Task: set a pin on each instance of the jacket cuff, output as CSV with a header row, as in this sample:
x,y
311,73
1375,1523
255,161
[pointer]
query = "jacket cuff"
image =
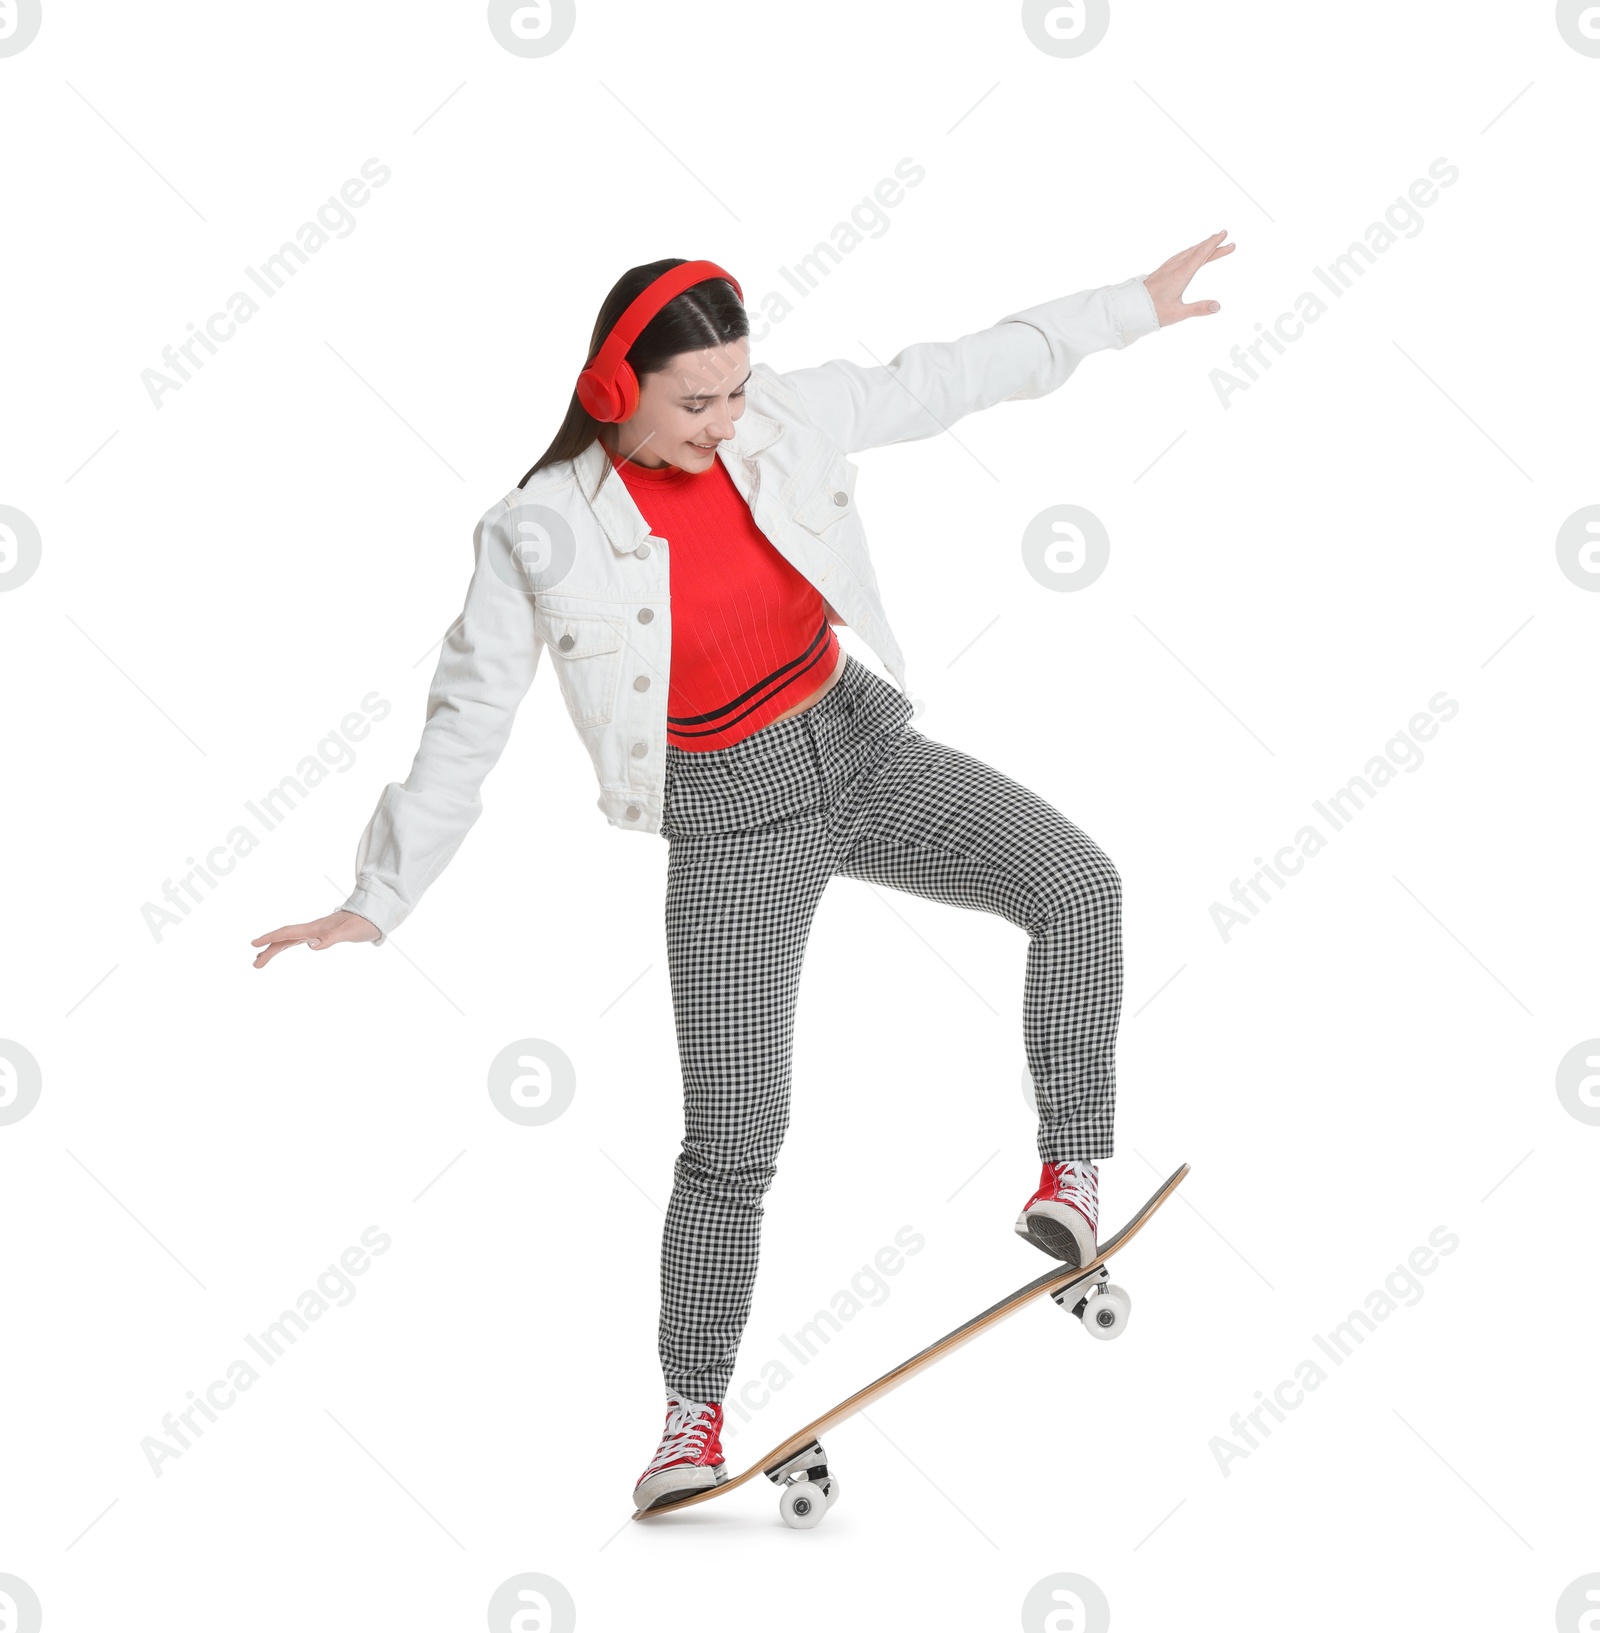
x,y
382,911
1133,309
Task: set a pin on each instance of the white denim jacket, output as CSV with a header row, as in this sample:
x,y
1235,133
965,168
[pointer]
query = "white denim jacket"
x,y
586,578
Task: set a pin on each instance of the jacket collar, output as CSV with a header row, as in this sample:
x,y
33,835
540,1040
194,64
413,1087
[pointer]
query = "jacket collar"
x,y
613,506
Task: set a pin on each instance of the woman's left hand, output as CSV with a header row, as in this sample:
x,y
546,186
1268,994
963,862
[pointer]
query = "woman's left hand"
x,y
1169,280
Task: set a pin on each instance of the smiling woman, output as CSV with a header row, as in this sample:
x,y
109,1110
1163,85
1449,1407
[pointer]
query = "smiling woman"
x,y
680,550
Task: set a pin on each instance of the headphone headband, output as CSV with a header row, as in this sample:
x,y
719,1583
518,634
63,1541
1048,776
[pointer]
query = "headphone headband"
x,y
608,387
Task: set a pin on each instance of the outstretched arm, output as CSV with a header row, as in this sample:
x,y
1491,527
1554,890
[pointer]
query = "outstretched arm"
x,y
485,667
927,387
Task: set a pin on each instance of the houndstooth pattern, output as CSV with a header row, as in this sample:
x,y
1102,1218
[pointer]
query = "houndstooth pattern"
x,y
756,830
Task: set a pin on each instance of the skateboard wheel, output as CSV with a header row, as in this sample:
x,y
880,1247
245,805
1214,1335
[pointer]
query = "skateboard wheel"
x,y
831,1487
802,1505
1106,1314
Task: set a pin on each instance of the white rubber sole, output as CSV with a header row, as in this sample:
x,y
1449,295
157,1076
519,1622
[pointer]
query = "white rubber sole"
x,y
669,1483
1058,1230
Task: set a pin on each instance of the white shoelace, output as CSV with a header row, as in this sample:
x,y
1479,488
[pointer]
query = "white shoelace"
x,y
688,1424
1077,1184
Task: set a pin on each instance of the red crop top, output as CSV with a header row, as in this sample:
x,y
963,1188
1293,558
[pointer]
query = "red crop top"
x,y
750,634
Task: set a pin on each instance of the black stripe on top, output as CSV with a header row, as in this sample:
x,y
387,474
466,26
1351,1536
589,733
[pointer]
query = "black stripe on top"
x,y
785,676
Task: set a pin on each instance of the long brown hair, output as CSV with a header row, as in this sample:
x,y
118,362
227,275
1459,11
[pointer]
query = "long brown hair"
x,y
705,314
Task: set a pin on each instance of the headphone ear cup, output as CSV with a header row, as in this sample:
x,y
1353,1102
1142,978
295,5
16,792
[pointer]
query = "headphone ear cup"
x,y
595,394
609,401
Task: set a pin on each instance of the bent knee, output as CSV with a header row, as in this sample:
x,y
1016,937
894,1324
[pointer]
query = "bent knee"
x,y
1082,885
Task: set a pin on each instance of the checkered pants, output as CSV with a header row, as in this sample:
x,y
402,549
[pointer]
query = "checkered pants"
x,y
756,830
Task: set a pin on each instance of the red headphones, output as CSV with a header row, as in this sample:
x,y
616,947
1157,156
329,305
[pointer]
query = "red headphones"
x,y
608,387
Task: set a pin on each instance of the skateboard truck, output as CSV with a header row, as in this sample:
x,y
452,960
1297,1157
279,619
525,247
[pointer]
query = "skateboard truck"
x,y
1099,1304
809,1491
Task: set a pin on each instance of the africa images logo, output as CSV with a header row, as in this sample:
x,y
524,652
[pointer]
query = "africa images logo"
x,y
19,23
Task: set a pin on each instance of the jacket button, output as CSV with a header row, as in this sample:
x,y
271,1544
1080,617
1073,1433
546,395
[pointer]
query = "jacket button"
x,y
642,551
645,615
641,683
632,813
566,643
841,498
639,750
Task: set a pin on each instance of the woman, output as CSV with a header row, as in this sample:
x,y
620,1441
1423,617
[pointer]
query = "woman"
x,y
684,549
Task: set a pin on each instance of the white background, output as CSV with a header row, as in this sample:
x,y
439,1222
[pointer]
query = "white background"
x,y
1292,577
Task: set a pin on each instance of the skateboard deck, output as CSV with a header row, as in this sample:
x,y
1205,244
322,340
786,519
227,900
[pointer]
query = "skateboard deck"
x,y
798,1462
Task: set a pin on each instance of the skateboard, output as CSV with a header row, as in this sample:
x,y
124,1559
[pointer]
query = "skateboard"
x,y
800,1466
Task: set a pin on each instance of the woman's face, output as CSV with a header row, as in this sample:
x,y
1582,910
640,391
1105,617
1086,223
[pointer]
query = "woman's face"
x,y
687,408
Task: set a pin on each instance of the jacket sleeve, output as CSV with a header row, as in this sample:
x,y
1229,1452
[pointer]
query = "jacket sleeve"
x,y
927,387
485,667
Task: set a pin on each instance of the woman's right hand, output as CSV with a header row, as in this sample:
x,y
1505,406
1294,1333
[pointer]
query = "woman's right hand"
x,y
317,935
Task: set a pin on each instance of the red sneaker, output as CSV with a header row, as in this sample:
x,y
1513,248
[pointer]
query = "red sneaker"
x,y
689,1457
1061,1217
